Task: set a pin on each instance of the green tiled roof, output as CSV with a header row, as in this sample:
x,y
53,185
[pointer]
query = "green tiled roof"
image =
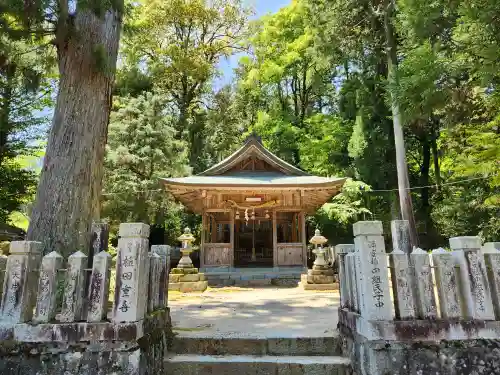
x,y
254,178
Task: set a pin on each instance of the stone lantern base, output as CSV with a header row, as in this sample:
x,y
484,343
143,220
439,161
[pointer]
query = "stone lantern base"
x,y
187,280
319,278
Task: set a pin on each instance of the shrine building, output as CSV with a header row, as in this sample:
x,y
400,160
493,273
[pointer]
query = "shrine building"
x,y
253,206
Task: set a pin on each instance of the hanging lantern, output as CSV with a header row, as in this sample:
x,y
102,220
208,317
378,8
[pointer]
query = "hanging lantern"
x,y
253,215
237,215
267,214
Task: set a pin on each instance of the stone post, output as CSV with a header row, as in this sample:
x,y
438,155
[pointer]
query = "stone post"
x,y
98,293
342,250
100,237
74,288
402,274
20,283
132,273
373,271
348,277
426,301
352,284
47,288
3,267
357,282
402,271
164,252
400,231
476,288
99,240
491,252
446,284
154,281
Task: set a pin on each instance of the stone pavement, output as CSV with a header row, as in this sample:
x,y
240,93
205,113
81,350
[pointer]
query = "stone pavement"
x,y
264,331
255,313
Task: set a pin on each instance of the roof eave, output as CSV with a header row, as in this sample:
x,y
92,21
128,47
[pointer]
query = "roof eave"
x,y
310,185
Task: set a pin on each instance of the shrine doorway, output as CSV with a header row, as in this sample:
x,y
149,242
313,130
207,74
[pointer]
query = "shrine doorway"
x,y
253,241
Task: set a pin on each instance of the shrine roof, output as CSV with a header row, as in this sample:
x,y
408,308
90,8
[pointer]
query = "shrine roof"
x,y
252,169
253,148
256,178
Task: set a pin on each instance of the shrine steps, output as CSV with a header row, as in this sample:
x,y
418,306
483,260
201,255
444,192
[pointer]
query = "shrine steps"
x,y
252,356
192,364
299,346
253,277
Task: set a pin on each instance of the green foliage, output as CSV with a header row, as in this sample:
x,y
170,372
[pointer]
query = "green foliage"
x,y
335,219
25,88
19,189
180,42
142,149
471,207
313,83
217,131
323,145
348,206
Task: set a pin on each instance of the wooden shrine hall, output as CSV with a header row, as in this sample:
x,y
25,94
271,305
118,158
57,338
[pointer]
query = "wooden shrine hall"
x,y
253,206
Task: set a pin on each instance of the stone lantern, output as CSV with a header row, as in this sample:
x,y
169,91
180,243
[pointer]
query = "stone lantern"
x,y
186,238
321,276
319,240
186,278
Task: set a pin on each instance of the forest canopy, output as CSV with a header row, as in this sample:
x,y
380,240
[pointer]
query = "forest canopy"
x,y
312,80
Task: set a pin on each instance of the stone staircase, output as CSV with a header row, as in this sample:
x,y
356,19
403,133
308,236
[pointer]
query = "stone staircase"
x,y
256,356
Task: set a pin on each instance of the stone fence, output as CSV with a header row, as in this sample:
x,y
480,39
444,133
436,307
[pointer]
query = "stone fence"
x,y
61,321
390,302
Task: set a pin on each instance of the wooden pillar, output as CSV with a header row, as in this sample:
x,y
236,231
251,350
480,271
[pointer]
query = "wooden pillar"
x,y
231,235
275,239
202,242
304,239
213,228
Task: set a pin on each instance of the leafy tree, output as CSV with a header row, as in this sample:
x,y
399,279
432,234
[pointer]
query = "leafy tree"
x,y
218,131
287,77
472,206
180,44
336,217
24,91
323,146
86,36
141,149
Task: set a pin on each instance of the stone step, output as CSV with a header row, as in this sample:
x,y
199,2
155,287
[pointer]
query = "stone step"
x,y
308,346
192,364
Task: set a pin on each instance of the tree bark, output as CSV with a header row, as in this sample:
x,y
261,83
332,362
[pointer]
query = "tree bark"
x,y
435,153
401,165
424,173
70,185
5,109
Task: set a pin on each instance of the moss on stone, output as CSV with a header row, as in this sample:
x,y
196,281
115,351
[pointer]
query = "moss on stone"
x,y
184,271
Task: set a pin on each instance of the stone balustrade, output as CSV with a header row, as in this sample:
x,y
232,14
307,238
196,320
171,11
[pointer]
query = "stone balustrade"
x,y
462,283
39,290
81,317
441,300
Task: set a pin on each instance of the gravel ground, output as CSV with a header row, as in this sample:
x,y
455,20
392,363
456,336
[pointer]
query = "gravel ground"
x,y
254,313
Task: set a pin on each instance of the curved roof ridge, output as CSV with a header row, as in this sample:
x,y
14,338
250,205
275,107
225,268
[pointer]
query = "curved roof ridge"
x,y
253,144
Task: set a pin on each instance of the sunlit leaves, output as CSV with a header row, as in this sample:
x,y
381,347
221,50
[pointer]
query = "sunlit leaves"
x,y
141,149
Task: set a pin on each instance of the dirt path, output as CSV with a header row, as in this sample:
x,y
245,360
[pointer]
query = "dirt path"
x,y
263,312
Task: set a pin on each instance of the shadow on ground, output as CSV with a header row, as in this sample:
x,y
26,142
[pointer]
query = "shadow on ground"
x,y
264,312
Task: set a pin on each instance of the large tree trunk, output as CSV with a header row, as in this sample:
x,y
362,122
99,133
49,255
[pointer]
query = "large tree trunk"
x,y
435,152
401,165
68,194
5,126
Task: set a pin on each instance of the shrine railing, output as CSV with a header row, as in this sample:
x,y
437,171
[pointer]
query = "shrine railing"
x,y
456,287
39,294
